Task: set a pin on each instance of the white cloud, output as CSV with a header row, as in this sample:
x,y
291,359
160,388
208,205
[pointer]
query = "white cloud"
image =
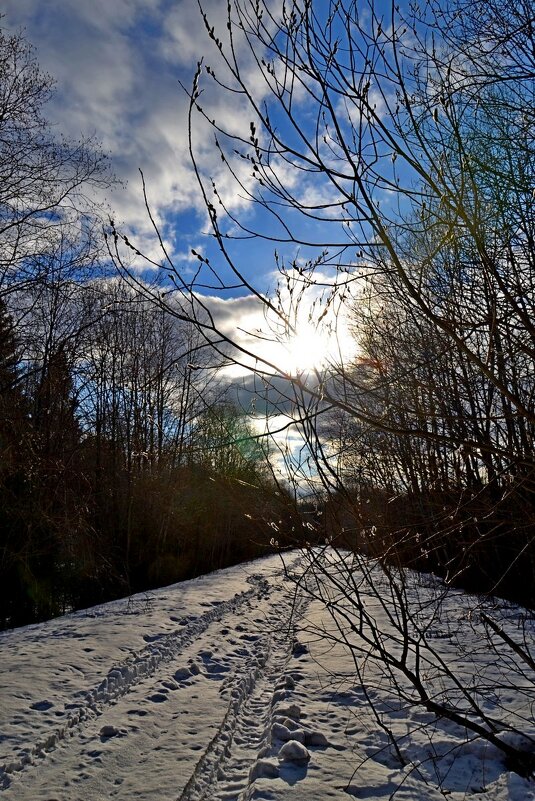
x,y
321,336
117,66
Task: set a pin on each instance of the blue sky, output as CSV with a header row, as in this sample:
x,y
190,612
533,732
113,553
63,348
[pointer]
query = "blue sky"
x,y
117,66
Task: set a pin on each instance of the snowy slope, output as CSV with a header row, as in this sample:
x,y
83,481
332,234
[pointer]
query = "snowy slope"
x,y
230,686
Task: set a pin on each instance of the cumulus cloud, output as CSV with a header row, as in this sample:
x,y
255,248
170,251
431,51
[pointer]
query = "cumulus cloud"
x,y
118,66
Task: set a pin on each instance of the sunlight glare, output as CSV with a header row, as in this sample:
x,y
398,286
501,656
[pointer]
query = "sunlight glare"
x,y
310,348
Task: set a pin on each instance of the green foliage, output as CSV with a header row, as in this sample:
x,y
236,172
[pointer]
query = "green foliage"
x,y
225,443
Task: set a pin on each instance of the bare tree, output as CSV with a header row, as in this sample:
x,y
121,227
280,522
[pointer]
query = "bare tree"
x,y
45,180
395,149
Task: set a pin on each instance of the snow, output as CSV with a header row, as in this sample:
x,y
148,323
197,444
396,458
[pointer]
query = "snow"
x,y
235,686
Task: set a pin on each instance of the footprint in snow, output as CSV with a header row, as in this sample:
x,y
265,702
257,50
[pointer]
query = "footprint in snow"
x,y
299,649
170,685
214,670
182,674
157,698
211,667
294,751
42,706
107,732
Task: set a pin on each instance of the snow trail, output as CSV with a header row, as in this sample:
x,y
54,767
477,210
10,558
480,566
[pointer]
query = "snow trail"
x,y
235,687
121,678
225,769
232,657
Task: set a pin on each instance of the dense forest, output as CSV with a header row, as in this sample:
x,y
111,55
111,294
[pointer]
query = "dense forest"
x,y
120,469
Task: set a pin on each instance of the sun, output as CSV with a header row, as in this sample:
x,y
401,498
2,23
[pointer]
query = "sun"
x,y
307,335
308,349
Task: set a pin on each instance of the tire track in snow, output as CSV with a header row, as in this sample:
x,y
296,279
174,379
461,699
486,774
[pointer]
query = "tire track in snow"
x,y
121,678
223,772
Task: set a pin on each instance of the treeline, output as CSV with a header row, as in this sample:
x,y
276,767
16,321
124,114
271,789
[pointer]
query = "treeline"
x,y
434,442
418,137
121,469
122,464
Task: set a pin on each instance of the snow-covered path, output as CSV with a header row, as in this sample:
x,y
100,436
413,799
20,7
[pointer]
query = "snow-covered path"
x,y
179,684
230,687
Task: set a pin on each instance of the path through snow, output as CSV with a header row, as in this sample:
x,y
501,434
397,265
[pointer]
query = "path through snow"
x,y
224,688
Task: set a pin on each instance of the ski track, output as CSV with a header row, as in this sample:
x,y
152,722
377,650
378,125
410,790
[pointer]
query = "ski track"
x,y
121,678
226,767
